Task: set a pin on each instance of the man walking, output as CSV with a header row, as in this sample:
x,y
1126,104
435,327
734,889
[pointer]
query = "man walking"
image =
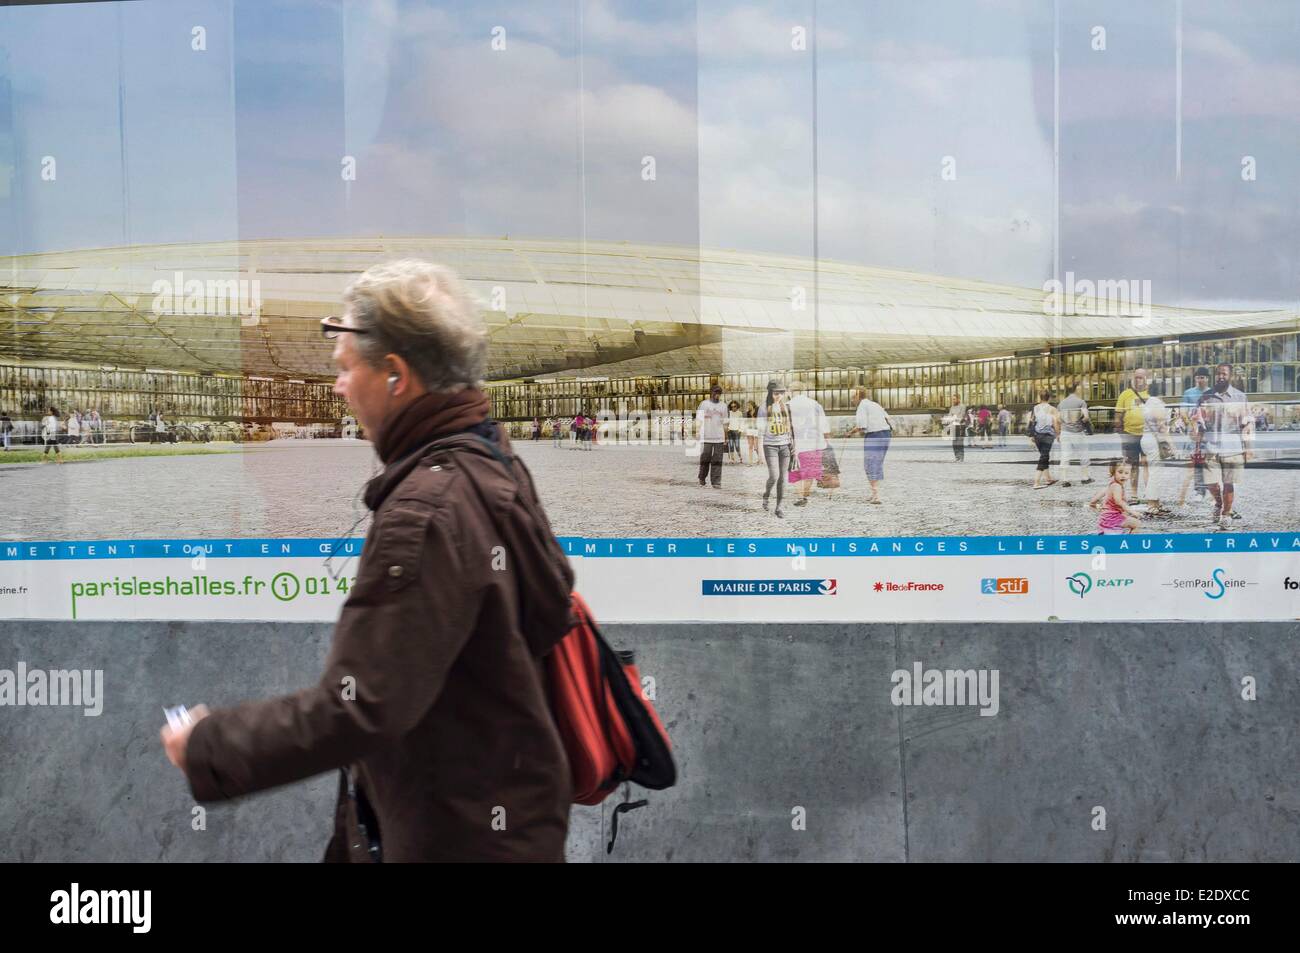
x,y
1004,424
6,428
1073,411
50,435
1191,402
1226,431
957,418
711,431
432,702
1131,424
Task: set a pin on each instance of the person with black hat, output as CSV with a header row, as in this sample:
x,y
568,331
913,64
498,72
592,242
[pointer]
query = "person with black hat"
x,y
711,430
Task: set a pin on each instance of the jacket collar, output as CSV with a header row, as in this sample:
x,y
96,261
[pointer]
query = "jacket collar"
x,y
380,486
428,417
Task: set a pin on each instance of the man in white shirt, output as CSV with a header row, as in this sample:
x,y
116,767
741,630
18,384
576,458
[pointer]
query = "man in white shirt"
x,y
50,435
711,429
1074,433
809,426
1225,432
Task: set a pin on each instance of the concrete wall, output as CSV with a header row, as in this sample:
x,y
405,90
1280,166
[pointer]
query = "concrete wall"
x,y
1146,721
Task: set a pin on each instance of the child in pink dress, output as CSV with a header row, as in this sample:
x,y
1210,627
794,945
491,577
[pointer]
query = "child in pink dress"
x,y
1116,515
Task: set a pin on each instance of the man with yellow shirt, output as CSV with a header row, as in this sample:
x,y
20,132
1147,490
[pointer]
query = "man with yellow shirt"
x,y
1130,424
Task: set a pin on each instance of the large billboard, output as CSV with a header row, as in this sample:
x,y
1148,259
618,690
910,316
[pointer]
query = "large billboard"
x,y
995,339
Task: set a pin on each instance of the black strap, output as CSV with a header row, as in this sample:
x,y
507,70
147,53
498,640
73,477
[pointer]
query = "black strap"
x,y
622,809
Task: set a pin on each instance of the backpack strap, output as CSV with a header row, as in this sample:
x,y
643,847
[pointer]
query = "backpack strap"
x,y
622,809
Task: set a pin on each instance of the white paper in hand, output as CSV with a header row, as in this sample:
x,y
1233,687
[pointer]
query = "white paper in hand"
x,y
178,717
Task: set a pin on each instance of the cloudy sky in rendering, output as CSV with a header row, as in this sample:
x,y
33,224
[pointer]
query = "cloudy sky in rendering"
x,y
923,133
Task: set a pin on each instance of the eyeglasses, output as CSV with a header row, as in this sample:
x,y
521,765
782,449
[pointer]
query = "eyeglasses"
x,y
333,326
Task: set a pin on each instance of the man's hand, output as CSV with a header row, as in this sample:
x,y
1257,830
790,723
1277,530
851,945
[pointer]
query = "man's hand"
x,y
175,740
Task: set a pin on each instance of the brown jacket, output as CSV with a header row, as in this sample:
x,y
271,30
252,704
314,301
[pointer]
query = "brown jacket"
x,y
447,735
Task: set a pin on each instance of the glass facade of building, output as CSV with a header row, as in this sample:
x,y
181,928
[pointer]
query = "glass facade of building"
x,y
1265,367
134,395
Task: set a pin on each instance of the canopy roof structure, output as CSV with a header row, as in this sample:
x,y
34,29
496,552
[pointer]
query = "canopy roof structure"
x,y
565,308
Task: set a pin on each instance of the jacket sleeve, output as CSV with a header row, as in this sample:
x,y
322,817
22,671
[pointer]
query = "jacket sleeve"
x,y
405,621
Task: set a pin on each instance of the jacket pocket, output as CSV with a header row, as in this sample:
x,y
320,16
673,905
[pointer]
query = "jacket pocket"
x,y
399,542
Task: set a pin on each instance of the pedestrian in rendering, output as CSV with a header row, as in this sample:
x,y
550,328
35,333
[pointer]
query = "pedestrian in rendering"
x,y
1046,424
1157,447
735,427
774,425
873,423
711,431
1227,434
1115,516
808,427
1075,428
752,434
956,418
50,435
1131,424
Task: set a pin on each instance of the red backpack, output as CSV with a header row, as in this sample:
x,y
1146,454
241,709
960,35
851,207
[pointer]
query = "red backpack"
x,y
610,731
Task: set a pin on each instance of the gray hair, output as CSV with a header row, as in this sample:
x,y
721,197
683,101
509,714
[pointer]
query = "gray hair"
x,y
423,313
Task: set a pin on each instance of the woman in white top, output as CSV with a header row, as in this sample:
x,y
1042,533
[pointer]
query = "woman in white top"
x,y
1047,427
1161,478
774,424
74,427
808,427
873,423
50,435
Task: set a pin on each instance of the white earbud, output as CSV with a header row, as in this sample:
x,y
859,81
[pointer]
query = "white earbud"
x,y
392,382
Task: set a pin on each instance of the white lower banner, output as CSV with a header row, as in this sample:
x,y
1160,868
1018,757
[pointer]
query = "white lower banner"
x,y
1176,577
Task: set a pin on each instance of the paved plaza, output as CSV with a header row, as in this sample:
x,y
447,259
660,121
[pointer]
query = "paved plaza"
x,y
312,488
637,491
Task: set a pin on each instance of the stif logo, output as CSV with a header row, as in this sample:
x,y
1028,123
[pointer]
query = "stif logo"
x,y
1004,587
827,587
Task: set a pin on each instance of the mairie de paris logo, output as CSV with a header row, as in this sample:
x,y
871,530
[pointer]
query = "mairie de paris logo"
x,y
770,587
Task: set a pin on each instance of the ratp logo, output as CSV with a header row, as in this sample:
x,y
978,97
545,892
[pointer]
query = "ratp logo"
x,y
1080,584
